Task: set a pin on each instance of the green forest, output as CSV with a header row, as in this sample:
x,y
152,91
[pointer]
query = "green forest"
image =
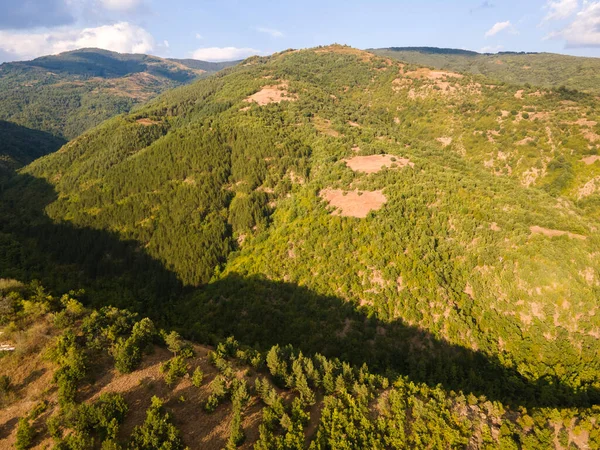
x,y
62,96
447,299
278,399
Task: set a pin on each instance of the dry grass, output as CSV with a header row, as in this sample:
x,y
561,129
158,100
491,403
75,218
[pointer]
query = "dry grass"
x,y
147,122
375,163
553,233
354,203
444,140
272,94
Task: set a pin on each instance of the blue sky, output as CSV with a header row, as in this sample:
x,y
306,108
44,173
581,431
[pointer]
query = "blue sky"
x,y
233,29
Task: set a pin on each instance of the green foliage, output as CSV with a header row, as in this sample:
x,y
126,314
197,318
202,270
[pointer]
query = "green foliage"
x,y
174,368
197,377
128,352
5,384
475,280
69,93
538,69
157,432
25,434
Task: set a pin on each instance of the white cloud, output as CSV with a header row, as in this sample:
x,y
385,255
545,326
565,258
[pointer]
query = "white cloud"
x,y
121,37
199,36
270,31
560,9
219,54
584,31
491,49
121,5
498,27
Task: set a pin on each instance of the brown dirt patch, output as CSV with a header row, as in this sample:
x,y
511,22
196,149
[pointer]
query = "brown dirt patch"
x,y
444,140
272,94
591,136
375,163
147,122
590,159
433,74
525,141
585,123
354,203
553,233
519,94
589,188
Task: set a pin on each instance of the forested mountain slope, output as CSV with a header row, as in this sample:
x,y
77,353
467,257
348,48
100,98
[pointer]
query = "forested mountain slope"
x,y
429,224
83,379
21,145
548,70
66,94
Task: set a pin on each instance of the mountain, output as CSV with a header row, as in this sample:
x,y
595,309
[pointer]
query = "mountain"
x,y
440,228
67,94
547,70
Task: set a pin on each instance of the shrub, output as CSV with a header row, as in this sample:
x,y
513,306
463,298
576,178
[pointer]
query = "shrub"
x,y
157,432
25,434
4,384
175,368
197,377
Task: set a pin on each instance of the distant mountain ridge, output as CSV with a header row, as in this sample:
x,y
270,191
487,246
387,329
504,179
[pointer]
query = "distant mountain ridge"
x,y
548,70
64,95
94,62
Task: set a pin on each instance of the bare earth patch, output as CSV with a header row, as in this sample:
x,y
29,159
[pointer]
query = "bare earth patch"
x,y
525,141
354,203
147,122
272,94
444,140
433,74
552,233
519,94
375,163
590,159
589,188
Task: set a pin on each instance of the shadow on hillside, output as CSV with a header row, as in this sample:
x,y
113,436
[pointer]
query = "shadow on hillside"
x,y
263,313
258,312
20,145
64,257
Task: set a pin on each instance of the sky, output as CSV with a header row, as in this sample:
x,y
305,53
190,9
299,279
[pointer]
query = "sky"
x,y
219,30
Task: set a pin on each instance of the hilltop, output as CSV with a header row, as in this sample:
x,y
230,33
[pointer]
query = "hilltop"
x,y
433,225
547,70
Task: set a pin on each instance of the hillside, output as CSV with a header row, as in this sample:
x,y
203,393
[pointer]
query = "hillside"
x,y
67,94
108,379
546,70
433,225
20,146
